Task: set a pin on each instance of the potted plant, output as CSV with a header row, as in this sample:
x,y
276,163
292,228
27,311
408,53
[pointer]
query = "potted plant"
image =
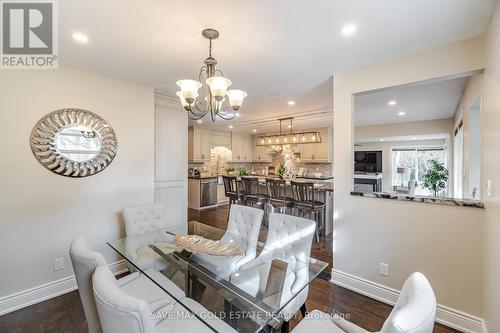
x,y
281,170
436,177
230,170
243,171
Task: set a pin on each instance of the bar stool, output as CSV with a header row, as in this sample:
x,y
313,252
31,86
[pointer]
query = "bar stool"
x,y
276,190
303,194
251,193
231,189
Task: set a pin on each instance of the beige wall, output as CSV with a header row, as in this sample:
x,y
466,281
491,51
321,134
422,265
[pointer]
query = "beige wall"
x,y
40,212
437,126
443,242
490,119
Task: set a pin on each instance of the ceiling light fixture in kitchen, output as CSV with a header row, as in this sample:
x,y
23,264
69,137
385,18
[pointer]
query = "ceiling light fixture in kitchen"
x,y
214,85
289,136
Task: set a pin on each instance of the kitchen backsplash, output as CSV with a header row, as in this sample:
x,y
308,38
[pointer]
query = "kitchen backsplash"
x,y
221,157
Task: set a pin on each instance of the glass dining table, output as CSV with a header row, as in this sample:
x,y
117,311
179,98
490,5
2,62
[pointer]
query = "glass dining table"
x,y
249,299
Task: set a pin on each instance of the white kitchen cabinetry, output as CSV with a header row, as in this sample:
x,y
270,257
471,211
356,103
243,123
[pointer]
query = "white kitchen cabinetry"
x,y
318,152
241,147
199,145
220,139
171,159
261,153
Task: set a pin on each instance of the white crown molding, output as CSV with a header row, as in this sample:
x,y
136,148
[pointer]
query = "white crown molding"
x,y
48,290
167,101
444,315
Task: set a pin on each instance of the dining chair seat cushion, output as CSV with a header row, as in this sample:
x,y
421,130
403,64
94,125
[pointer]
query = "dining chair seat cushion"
x,y
242,230
181,320
146,258
140,285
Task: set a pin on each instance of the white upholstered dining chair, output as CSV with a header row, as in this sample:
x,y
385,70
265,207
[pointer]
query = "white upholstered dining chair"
x,y
85,261
414,312
142,220
242,230
122,313
289,239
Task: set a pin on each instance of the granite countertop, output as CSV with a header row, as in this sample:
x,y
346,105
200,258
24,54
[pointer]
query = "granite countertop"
x,y
202,177
315,178
422,199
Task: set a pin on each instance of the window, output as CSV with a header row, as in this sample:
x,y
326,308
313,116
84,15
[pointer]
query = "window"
x,y
412,163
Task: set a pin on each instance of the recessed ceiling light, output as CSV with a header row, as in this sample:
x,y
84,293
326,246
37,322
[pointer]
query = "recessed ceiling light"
x,y
291,102
79,37
230,126
349,29
254,130
392,102
276,95
402,113
199,121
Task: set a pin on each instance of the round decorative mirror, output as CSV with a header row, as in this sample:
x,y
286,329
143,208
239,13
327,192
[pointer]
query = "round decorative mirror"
x,y
73,142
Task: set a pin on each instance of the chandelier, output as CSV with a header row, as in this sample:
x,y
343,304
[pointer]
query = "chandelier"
x,y
289,137
214,85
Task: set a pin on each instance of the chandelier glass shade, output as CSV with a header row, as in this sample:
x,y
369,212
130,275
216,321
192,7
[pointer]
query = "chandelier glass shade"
x,y
215,88
289,138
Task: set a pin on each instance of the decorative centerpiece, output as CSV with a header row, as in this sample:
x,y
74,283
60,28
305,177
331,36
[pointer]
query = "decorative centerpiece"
x,y
288,161
198,244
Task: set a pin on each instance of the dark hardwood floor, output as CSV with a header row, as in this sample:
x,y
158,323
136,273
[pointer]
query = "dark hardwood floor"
x,y
64,314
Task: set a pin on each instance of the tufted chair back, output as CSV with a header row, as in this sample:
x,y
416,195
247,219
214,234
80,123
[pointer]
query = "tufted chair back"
x,y
119,312
244,222
290,238
415,309
142,219
85,262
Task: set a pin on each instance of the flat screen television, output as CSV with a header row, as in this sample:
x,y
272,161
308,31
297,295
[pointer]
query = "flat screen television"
x,y
368,161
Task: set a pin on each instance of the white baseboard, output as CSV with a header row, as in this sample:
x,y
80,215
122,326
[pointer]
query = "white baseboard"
x,y
444,315
47,291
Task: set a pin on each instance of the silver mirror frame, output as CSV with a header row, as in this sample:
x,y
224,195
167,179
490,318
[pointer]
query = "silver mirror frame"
x,y
42,141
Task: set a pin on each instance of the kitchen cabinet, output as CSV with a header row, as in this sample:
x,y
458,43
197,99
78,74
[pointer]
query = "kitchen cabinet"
x,y
260,153
241,147
199,145
171,160
318,152
220,139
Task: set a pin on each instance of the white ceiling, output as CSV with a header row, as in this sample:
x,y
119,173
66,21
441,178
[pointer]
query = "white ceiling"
x,y
422,137
266,47
423,101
